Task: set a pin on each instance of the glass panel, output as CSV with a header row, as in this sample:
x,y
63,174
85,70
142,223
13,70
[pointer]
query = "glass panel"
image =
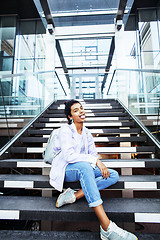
x,y
85,52
72,5
27,27
76,13
139,90
40,46
84,20
6,64
23,65
20,100
7,42
40,64
7,35
30,51
147,15
149,38
86,61
27,46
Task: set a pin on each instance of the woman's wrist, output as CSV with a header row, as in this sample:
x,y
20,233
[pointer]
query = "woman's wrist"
x,y
97,161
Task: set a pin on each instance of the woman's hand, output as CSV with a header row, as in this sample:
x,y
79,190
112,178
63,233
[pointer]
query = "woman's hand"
x,y
103,168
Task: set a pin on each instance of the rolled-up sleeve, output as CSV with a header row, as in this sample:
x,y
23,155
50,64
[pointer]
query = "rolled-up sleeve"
x,y
91,145
92,148
67,144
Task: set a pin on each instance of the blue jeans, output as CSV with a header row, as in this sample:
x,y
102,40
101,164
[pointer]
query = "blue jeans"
x,y
91,180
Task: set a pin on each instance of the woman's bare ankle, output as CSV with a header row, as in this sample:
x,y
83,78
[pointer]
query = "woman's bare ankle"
x,y
105,225
79,194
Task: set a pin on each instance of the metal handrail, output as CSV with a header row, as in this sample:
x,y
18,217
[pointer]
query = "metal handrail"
x,y
111,81
22,74
33,73
148,133
8,145
139,70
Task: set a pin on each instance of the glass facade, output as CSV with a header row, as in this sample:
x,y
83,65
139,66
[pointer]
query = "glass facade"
x,y
24,50
148,24
137,78
26,87
30,47
7,43
85,58
86,62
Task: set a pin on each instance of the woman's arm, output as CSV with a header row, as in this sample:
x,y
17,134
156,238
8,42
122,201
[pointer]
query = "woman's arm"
x,y
91,144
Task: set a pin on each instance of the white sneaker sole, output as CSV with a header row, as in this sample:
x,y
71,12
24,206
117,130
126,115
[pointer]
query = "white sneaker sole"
x,y
105,238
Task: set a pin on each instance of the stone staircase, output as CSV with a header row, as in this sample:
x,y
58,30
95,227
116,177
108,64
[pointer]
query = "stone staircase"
x,y
27,199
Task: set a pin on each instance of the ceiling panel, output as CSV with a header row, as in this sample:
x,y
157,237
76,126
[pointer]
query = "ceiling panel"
x,y
84,20
74,5
86,52
82,12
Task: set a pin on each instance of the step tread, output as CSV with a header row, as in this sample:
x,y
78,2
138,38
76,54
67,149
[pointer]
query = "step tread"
x,y
36,208
94,131
120,139
89,106
105,150
88,119
128,178
88,124
138,182
50,235
121,110
96,139
116,163
106,114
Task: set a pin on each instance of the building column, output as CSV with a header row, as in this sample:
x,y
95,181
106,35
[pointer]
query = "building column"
x,y
49,77
80,88
121,62
73,88
97,92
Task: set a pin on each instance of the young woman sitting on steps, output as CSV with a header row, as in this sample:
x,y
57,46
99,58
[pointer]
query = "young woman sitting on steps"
x,y
78,161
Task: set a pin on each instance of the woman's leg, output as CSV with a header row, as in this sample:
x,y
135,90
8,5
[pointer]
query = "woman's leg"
x,y
79,194
91,181
103,183
103,219
100,181
83,172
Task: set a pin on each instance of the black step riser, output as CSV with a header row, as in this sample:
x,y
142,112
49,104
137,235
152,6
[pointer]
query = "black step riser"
x,y
35,181
110,139
38,208
58,115
134,163
93,111
146,149
47,120
123,124
105,131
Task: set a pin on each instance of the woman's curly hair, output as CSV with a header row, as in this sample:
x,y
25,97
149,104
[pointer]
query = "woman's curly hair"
x,y
67,109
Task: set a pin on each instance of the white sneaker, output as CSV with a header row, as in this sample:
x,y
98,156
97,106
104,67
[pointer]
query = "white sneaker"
x,y
66,197
115,233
